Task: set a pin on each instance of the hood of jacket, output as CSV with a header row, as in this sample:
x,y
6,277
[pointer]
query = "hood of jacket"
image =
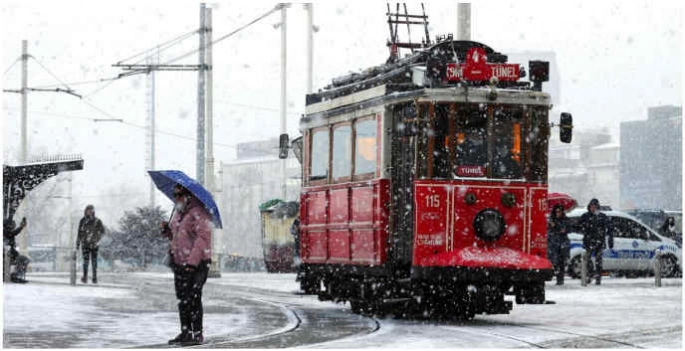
x,y
593,202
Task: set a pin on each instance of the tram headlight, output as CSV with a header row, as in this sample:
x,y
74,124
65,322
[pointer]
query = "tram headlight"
x,y
508,199
489,224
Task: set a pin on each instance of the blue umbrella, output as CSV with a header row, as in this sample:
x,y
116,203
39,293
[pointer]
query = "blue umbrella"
x,y
167,180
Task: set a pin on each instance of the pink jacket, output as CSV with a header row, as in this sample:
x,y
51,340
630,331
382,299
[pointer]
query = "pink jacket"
x,y
191,234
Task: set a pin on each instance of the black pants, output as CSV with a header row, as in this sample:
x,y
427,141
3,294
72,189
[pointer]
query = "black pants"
x,y
20,261
188,287
88,253
558,253
598,251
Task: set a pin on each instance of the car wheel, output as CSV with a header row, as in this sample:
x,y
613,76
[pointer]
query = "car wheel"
x,y
669,267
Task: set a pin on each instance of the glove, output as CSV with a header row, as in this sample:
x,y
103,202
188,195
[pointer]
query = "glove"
x,y
189,268
164,226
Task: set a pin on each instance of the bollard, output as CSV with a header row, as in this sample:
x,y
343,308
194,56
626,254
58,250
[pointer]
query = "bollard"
x,y
583,268
657,268
5,264
72,269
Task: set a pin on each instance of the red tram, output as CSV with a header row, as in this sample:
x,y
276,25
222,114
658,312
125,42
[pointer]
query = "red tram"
x,y
425,184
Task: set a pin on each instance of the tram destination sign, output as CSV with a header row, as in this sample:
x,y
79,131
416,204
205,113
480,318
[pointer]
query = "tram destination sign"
x,y
476,68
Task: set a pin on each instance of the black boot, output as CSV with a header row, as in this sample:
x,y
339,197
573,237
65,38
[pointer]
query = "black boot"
x,y
196,338
84,279
598,280
184,337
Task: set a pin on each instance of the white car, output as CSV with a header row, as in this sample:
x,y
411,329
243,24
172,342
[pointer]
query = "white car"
x,y
634,249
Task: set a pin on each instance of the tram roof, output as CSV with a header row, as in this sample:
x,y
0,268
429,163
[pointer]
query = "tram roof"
x,y
449,71
393,94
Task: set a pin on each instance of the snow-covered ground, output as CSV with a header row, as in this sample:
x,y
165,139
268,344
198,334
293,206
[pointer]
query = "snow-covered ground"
x,y
620,313
49,306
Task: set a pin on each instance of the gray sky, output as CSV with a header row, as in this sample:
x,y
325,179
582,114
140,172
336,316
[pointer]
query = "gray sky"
x,y
615,60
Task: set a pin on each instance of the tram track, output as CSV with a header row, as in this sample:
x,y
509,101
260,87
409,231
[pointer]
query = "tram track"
x,y
576,340
307,324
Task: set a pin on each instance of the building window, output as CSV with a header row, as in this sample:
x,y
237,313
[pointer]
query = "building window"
x,y
342,151
319,155
366,143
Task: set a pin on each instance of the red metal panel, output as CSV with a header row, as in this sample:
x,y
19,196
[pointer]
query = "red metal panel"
x,y
339,210
362,246
489,196
339,246
353,229
362,205
318,246
316,208
538,227
431,203
462,246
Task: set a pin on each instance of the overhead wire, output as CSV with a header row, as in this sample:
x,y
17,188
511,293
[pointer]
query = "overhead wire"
x,y
239,29
11,66
179,38
49,72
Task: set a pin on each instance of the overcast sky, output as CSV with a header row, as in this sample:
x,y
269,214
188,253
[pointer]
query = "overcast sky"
x,y
615,59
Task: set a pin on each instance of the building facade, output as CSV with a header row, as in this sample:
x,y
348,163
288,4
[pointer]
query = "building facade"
x,y
651,163
586,168
246,183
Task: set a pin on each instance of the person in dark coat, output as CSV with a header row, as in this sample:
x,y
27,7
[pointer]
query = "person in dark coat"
x,y
9,233
668,229
596,227
90,231
295,232
558,244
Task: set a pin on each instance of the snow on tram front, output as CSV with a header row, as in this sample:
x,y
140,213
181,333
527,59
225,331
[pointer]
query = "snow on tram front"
x,y
425,185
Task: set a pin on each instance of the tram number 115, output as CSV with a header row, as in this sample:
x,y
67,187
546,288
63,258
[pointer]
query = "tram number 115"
x,y
433,201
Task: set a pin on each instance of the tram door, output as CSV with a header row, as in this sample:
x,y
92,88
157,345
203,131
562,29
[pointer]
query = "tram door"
x,y
404,136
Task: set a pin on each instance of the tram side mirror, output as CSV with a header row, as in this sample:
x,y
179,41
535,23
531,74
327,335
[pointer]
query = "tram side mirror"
x,y
297,148
566,127
283,146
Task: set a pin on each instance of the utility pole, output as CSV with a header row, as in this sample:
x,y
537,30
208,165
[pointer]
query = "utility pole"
x,y
151,101
463,21
209,168
24,99
201,103
283,94
214,271
24,243
310,43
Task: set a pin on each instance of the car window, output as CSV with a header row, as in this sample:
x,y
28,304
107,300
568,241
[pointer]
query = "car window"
x,y
620,228
638,231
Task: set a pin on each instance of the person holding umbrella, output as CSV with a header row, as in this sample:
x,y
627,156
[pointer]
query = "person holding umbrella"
x,y
190,233
189,228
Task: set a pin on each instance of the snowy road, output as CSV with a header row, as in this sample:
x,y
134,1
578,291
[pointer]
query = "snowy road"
x,y
264,310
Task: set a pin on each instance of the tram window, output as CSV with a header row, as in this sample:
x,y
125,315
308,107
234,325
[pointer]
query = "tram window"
x,y
342,151
506,162
365,145
537,139
471,146
440,131
319,155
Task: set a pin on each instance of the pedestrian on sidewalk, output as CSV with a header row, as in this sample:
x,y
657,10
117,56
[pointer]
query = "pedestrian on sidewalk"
x,y
596,228
90,231
21,262
190,235
558,244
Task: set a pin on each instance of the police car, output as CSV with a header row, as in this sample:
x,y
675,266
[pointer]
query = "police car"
x,y
634,249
